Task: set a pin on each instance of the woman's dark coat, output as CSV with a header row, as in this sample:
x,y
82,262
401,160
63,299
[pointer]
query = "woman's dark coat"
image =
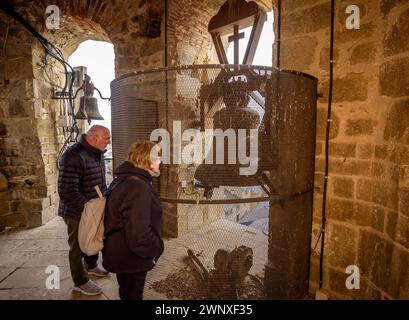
x,y
133,222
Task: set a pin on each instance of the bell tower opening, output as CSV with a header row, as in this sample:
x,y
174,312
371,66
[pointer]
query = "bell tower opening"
x,y
264,52
97,60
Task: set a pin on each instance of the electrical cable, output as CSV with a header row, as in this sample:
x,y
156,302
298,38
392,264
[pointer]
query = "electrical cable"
x,y
331,76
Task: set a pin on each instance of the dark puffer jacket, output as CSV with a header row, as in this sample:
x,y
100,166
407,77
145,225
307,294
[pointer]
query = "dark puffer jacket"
x,y
133,222
82,167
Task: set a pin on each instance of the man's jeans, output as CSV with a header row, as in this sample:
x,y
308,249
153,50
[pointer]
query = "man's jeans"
x,y
78,272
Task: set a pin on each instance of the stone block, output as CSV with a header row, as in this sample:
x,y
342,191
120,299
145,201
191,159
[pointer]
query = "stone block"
x,y
393,196
372,191
317,208
32,205
293,58
340,209
318,182
23,127
51,178
342,245
13,220
319,164
296,4
363,53
48,213
403,293
4,108
322,124
34,219
213,213
374,257
404,201
352,87
20,69
349,167
21,108
396,39
397,122
343,35
387,5
3,130
378,170
194,215
381,152
365,151
41,89
341,149
394,78
402,230
368,215
54,198
399,272
17,89
5,207
318,148
15,171
314,270
324,58
337,283
170,225
306,21
343,187
357,127
399,154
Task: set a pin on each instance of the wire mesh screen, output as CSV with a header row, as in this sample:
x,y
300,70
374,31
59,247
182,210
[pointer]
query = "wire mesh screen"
x,y
236,141
232,100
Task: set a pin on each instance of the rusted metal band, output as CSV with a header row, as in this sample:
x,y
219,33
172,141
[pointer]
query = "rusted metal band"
x,y
214,66
272,198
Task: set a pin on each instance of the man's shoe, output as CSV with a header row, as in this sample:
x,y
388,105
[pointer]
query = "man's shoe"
x,y
98,272
90,288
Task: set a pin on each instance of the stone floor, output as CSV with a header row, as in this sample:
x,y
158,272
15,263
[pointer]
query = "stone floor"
x,y
25,255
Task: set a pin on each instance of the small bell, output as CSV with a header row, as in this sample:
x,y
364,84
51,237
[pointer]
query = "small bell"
x,y
90,104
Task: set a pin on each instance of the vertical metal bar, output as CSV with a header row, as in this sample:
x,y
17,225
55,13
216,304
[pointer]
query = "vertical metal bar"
x,y
331,76
278,33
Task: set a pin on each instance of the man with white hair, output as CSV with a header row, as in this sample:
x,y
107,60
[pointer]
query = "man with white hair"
x,y
82,168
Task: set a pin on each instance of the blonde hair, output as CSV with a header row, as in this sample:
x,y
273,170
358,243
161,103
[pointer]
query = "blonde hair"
x,y
139,154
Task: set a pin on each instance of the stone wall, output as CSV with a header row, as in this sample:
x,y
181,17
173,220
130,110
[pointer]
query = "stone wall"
x,y
27,156
29,137
368,167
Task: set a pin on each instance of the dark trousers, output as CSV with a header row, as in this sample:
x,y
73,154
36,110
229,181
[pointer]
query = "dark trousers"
x,y
78,271
131,285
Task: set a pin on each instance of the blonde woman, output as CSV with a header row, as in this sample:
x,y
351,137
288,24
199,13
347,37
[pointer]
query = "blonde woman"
x,y
133,221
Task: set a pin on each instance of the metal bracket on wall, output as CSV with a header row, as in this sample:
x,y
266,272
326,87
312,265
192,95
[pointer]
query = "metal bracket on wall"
x,y
271,190
268,187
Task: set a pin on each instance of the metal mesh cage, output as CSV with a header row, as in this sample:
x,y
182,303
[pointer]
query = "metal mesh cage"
x,y
278,105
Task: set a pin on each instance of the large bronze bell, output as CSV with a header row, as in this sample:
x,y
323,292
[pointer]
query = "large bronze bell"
x,y
236,115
